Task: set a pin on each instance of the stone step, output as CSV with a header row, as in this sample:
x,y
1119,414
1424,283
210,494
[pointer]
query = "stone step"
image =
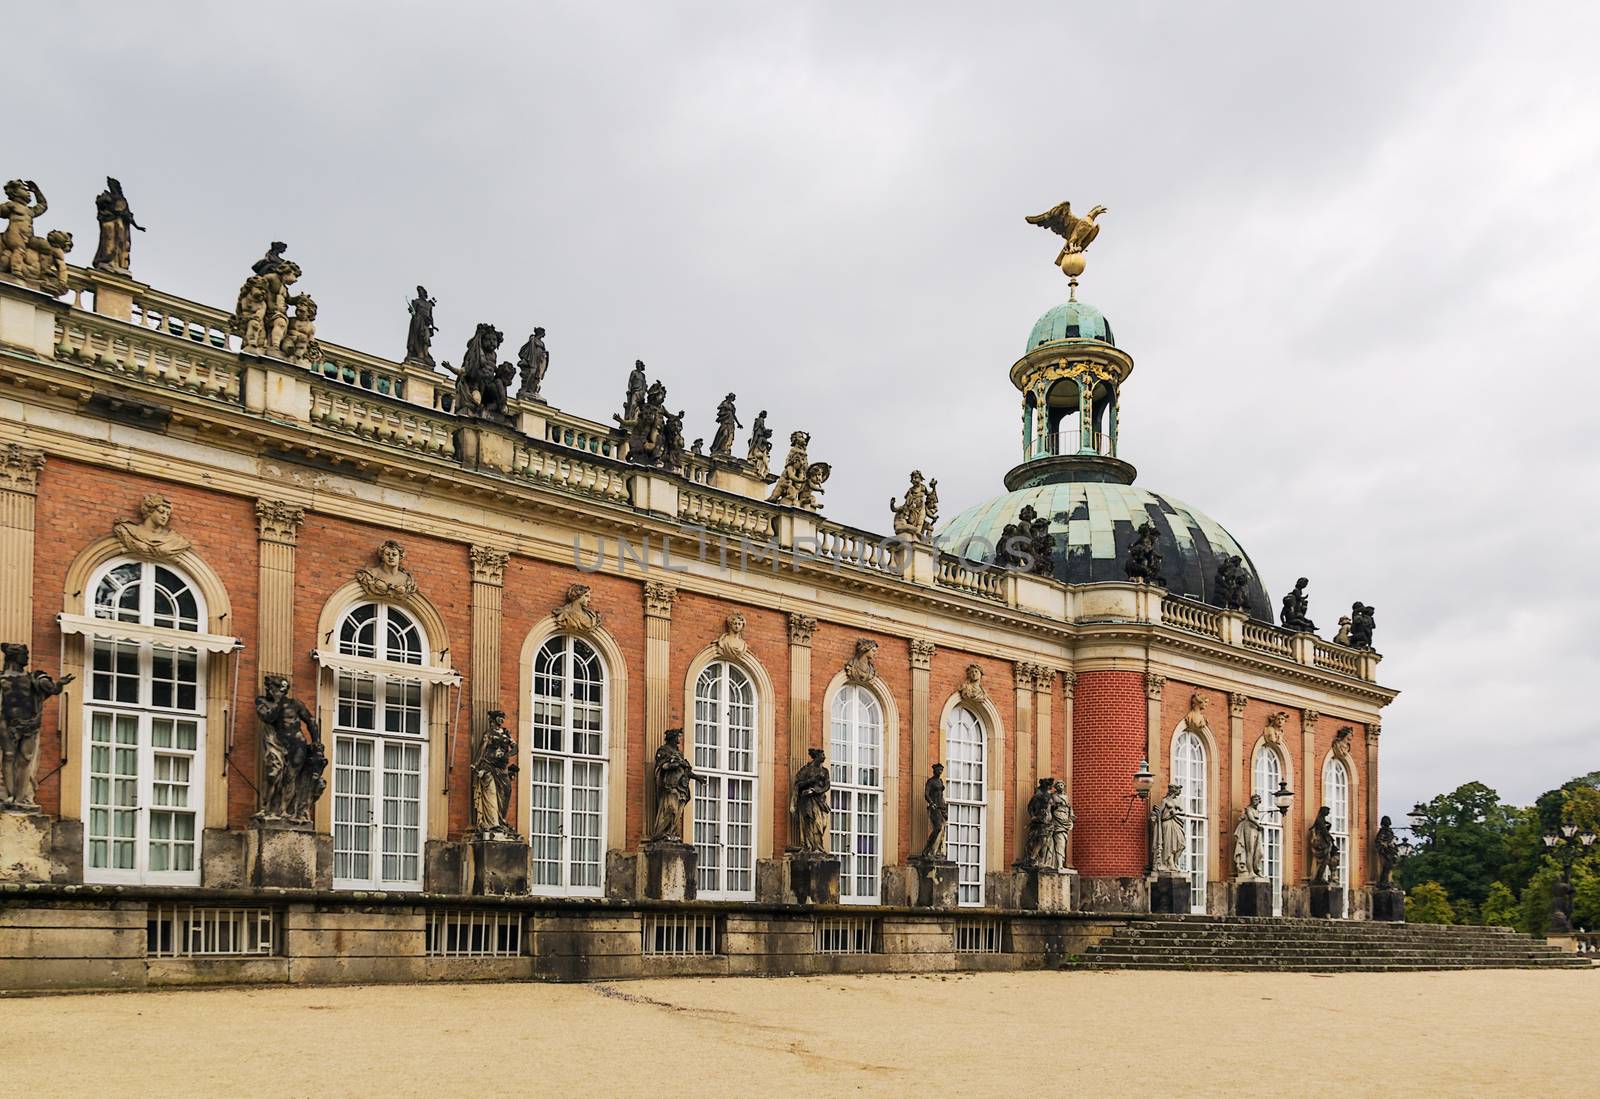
x,y
1313,967
1332,948
1350,941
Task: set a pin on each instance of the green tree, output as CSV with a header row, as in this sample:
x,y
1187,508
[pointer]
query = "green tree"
x,y
1427,902
1586,895
1500,906
1534,917
1463,842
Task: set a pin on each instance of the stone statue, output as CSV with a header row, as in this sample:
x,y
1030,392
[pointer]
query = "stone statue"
x,y
698,448
1144,560
494,775
971,689
40,262
1195,720
1341,636
115,218
272,260
152,537
532,363
1077,233
1388,851
390,577
654,437
861,668
1036,847
1295,605
1324,851
760,453
1231,588
1249,861
420,333
811,803
673,790
633,400
732,645
811,492
482,383
261,317
792,480
938,814
22,697
1041,544
1062,818
1361,626
908,517
1169,834
576,615
727,424
300,338
672,445
291,763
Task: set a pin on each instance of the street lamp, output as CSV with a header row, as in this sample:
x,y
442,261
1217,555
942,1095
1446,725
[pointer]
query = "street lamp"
x,y
1567,842
1282,798
1143,779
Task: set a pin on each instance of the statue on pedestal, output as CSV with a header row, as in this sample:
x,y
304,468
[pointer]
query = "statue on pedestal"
x,y
532,363
633,400
1362,624
938,814
115,218
22,697
1062,819
727,424
152,537
1387,847
800,483
654,435
760,452
291,763
40,262
1231,588
1324,850
1249,861
482,383
1295,607
261,317
1341,636
1144,560
419,336
494,775
914,520
811,804
1036,847
1168,833
673,775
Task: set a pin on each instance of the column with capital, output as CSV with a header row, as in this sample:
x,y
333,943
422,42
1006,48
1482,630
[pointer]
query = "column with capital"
x,y
921,739
1024,676
20,468
657,688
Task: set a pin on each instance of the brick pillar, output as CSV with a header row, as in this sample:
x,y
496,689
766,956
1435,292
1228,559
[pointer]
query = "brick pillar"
x,y
657,688
801,627
488,584
19,488
1024,676
1109,723
921,735
1311,801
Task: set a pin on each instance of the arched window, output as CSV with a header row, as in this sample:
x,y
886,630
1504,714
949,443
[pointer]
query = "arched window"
x,y
144,724
1336,796
567,769
380,756
724,805
1189,770
855,762
1267,772
966,786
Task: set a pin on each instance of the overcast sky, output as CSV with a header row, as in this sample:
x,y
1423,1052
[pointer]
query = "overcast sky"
x,y
1353,249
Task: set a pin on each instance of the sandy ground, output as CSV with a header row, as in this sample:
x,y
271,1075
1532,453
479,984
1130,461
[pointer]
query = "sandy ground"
x,y
1099,1034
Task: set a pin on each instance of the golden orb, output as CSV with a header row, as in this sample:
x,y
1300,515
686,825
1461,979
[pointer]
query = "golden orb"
x,y
1072,264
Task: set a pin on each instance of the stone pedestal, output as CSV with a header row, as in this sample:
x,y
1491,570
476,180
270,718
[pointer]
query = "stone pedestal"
x,y
38,848
484,447
1045,889
813,878
1169,893
1327,901
281,857
499,866
1252,897
938,883
669,871
1389,904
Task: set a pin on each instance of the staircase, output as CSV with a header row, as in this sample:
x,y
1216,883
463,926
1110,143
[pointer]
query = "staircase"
x,y
1318,946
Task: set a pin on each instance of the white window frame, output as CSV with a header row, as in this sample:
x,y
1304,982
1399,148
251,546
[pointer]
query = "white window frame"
x,y
1266,772
717,720
1190,764
966,771
856,764
567,759
380,668
144,636
1336,796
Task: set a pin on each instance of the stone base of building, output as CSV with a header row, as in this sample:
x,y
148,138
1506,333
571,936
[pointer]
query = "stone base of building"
x,y
1042,889
669,871
1112,895
1170,894
1327,901
1389,904
1252,897
500,867
288,858
38,848
810,878
936,883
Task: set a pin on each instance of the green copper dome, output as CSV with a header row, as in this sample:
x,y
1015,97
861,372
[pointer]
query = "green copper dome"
x,y
1071,320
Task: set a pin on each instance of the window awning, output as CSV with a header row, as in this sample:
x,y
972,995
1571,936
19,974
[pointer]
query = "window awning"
x,y
110,630
365,665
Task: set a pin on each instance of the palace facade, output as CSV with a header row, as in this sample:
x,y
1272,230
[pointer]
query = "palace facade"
x,y
193,501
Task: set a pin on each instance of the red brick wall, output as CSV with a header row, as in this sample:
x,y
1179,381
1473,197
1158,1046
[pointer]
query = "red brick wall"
x,y
1108,741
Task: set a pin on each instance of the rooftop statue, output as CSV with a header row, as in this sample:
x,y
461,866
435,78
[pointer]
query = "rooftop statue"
x,y
1144,560
482,383
1361,626
1076,233
22,697
261,317
1341,636
532,363
638,388
653,436
727,424
1231,588
115,218
760,453
914,520
1295,606
800,483
40,262
420,333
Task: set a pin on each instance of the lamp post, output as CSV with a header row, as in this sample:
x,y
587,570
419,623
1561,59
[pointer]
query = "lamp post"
x,y
1143,779
1567,843
1282,798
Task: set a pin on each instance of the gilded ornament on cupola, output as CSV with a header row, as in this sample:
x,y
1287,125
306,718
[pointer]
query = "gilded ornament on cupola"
x,y
1077,233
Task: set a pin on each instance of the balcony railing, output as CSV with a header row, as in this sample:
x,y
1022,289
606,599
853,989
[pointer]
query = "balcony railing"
x,y
1074,442
962,575
1194,617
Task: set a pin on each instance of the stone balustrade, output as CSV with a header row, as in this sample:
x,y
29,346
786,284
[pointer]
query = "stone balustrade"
x,y
391,423
726,514
1336,658
849,546
148,354
1194,617
960,574
1268,639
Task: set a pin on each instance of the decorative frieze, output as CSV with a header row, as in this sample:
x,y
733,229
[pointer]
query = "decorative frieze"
x,y
488,565
278,521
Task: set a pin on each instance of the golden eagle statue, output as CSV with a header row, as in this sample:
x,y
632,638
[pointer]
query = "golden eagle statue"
x,y
1078,232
